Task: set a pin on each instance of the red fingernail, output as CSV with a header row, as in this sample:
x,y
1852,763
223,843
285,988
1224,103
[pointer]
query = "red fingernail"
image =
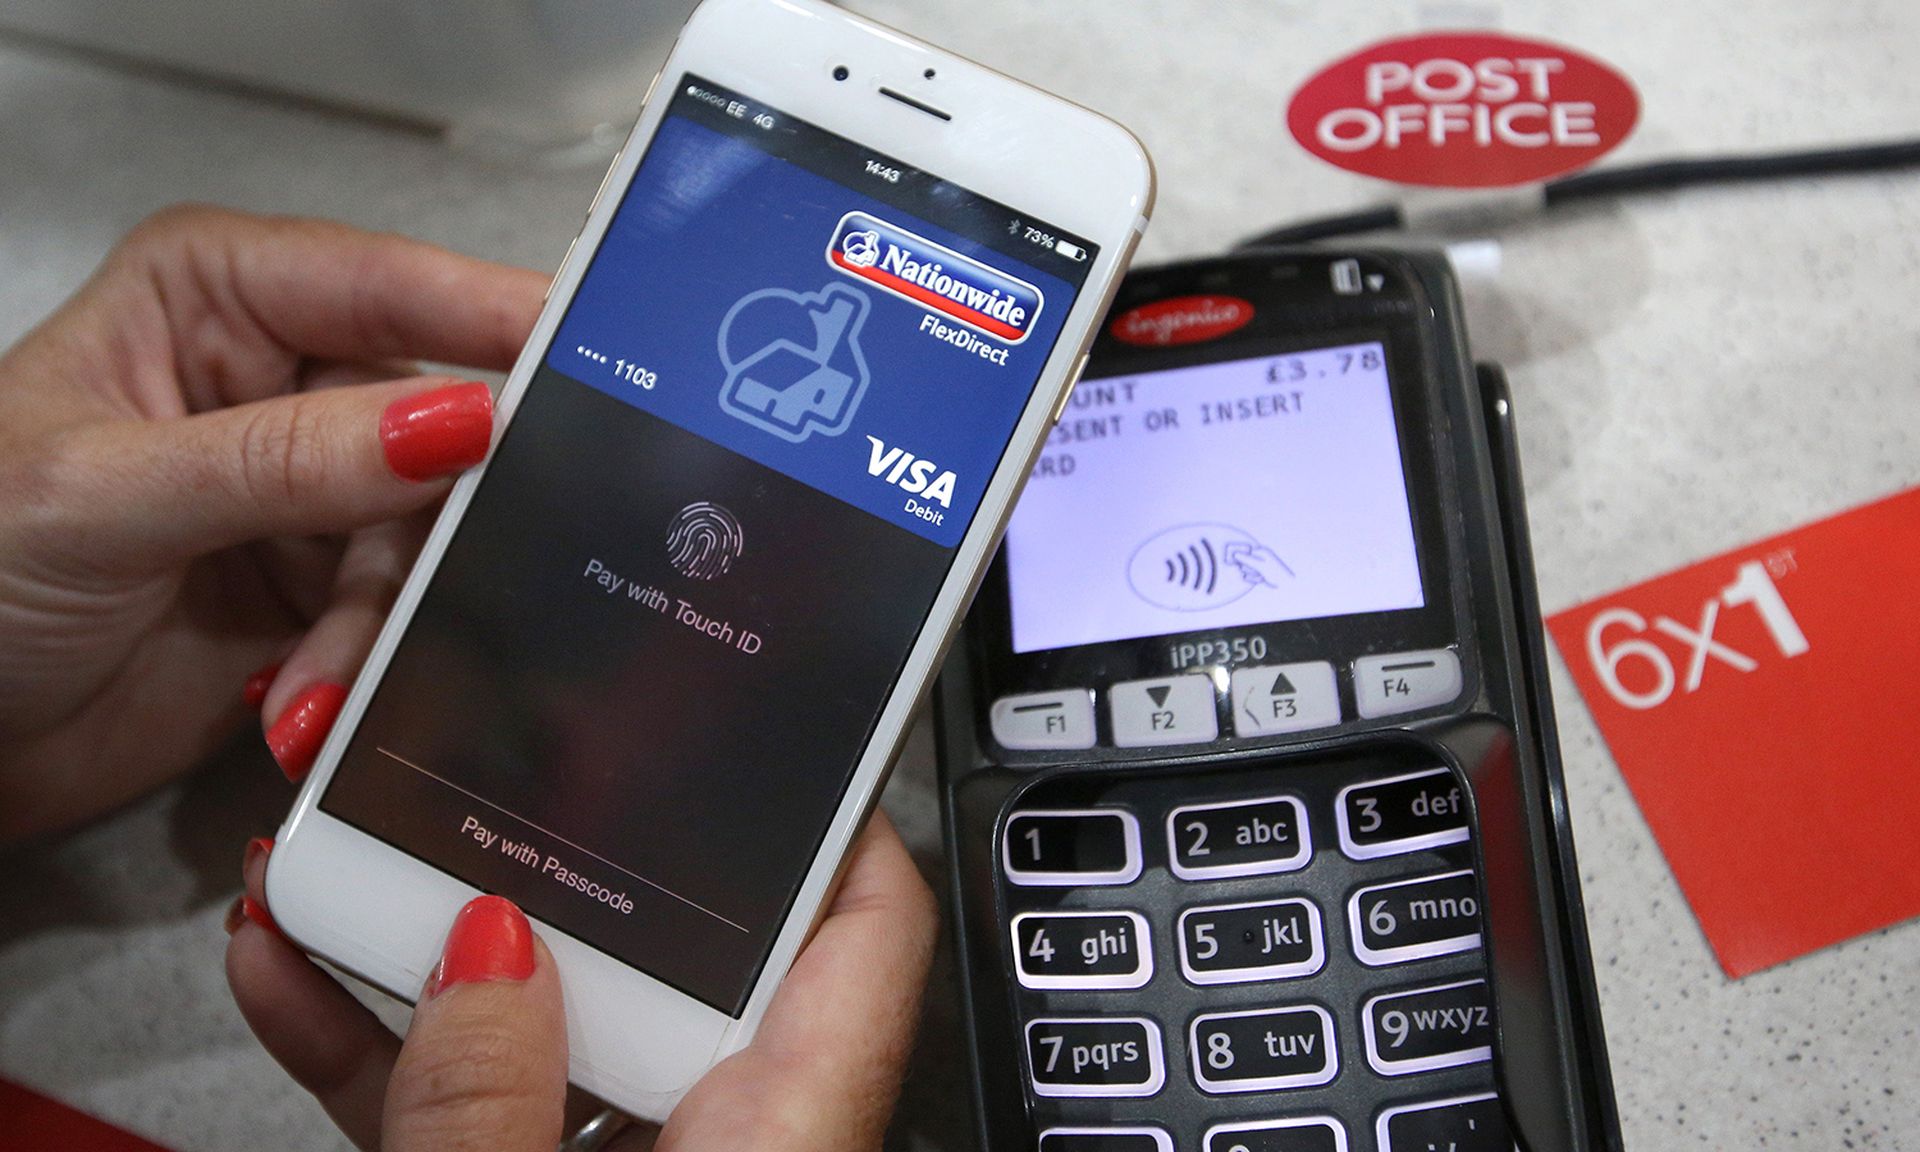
x,y
254,692
257,912
257,847
296,737
490,940
438,433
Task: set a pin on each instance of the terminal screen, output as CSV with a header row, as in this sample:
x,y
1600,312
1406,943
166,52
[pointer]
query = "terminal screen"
x,y
1217,496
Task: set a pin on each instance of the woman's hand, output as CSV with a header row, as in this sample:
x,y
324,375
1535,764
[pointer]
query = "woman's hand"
x,y
484,1062
186,487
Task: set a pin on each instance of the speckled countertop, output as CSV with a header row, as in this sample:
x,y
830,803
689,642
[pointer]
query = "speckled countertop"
x,y
1691,372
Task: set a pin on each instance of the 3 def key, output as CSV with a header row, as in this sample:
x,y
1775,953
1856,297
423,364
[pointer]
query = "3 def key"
x,y
1399,814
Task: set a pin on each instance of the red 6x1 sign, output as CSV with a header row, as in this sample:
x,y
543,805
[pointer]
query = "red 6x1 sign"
x,y
1764,707
1754,586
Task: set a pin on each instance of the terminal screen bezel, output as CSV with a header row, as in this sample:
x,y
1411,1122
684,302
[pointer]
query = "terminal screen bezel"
x,y
1295,310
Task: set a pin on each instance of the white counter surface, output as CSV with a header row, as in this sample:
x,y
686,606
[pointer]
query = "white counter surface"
x,y
1691,372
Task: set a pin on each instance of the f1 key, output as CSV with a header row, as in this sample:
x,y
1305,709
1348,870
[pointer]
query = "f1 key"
x,y
1239,838
1414,919
1401,814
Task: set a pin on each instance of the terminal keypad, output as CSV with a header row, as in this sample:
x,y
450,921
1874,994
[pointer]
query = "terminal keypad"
x,y
1280,954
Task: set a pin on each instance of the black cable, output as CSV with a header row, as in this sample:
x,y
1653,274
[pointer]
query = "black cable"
x,y
1386,218
1629,179
1663,175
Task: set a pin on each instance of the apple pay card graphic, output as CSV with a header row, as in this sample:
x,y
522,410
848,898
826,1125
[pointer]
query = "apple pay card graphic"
x,y
1764,707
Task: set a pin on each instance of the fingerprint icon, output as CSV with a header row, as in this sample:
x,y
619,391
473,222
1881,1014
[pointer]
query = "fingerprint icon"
x,y
703,541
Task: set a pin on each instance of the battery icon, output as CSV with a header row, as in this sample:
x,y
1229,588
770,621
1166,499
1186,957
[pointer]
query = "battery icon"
x,y
1346,277
1070,250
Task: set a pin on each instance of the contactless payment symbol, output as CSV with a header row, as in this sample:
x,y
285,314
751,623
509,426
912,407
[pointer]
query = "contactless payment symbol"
x,y
793,360
1194,567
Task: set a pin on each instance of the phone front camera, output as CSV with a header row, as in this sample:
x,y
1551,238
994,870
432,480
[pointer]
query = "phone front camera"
x,y
928,73
840,72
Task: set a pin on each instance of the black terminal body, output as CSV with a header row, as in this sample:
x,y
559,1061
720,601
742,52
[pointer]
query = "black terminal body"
x,y
1262,877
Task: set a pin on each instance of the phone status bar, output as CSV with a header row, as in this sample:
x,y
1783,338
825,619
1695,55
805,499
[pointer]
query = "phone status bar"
x,y
950,205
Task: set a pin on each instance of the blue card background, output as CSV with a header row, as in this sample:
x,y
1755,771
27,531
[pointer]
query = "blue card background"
x,y
709,219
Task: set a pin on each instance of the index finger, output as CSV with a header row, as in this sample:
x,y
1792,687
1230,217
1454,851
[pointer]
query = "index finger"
x,y
330,1043
329,290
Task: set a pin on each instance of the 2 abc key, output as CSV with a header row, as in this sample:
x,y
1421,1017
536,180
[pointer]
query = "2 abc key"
x,y
1239,838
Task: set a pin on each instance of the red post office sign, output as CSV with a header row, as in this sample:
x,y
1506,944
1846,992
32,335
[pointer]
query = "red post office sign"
x,y
1464,110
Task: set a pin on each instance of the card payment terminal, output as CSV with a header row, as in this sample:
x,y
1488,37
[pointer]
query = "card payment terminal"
x,y
1251,789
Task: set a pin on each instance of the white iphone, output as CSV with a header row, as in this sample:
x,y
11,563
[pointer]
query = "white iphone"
x,y
652,667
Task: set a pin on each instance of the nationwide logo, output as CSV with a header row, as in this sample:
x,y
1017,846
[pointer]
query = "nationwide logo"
x,y
935,277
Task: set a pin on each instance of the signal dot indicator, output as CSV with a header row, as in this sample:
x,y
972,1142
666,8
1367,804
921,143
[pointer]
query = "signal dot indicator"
x,y
596,357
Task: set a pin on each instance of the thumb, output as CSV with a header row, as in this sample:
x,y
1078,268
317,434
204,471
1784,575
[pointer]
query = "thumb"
x,y
484,1065
150,494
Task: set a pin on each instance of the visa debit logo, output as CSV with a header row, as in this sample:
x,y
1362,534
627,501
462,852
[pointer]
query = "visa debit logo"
x,y
935,277
912,474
